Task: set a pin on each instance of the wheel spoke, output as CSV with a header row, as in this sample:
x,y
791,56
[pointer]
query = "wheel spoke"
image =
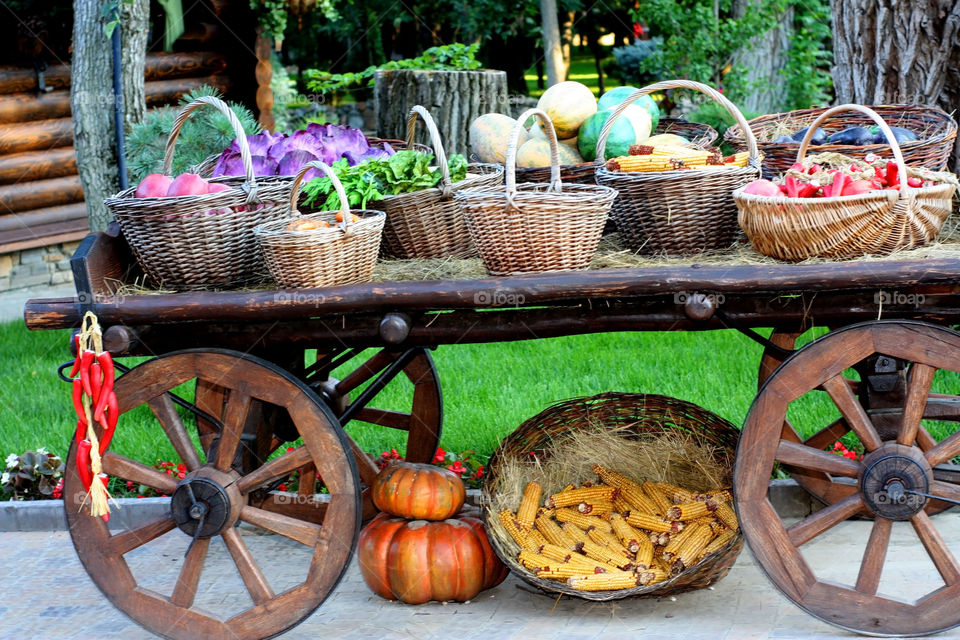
x,y
799,455
852,411
367,370
250,572
308,480
873,556
936,548
365,466
234,418
945,489
921,377
925,441
813,525
947,449
828,435
384,418
186,588
130,539
276,468
303,532
312,510
166,414
123,467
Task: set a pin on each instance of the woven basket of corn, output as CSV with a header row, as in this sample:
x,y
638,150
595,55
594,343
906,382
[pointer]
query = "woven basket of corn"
x,y
616,495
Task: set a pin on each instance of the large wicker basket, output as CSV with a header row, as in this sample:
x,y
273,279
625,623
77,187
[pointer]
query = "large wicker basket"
x,y
633,416
428,223
677,212
535,227
343,253
203,241
937,130
845,227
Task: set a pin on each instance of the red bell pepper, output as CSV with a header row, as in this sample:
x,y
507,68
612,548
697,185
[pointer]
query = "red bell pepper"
x,y
808,190
106,364
83,463
793,186
836,188
814,168
893,180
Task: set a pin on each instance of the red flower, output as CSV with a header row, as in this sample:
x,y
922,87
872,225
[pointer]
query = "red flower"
x,y
289,449
182,468
58,490
394,455
129,485
181,475
439,456
478,473
282,487
457,468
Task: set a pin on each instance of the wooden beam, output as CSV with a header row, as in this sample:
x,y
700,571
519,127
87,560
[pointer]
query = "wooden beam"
x,y
47,215
33,136
38,194
43,235
37,165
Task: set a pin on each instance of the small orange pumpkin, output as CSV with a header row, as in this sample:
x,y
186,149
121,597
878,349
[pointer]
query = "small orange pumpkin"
x,y
416,561
418,491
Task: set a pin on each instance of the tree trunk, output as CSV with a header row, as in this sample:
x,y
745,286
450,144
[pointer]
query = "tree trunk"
x,y
91,96
886,51
134,29
454,99
762,58
552,47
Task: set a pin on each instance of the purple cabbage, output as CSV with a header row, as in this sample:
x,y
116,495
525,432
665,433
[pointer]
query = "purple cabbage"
x,y
291,163
230,163
372,153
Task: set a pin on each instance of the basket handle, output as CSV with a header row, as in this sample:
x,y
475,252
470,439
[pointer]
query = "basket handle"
x,y
880,122
710,92
337,185
438,152
512,152
250,186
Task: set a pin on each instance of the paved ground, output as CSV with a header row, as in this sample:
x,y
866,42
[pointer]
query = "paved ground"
x,y
47,595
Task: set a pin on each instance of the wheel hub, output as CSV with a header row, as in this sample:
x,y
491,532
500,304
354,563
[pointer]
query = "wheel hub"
x,y
200,502
890,476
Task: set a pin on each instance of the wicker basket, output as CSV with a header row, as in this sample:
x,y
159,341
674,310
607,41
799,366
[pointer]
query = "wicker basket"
x,y
203,241
845,227
343,253
535,227
428,223
701,135
682,212
938,129
637,417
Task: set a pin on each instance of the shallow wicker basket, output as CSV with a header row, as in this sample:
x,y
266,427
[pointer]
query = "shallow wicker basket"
x,y
204,241
428,223
846,227
682,212
636,417
535,227
343,253
937,129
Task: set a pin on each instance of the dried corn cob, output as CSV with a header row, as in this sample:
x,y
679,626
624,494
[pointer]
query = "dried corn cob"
x,y
691,510
653,523
534,537
574,497
575,559
644,555
611,542
527,511
637,498
676,493
562,572
553,533
612,478
534,560
604,581
602,553
596,508
584,522
677,541
718,542
651,576
575,533
658,497
727,515
543,511
510,525
621,505
722,495
690,549
627,535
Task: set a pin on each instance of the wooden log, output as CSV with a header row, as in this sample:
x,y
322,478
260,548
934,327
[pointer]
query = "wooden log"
x,y
48,215
45,134
43,235
37,165
164,92
454,99
25,196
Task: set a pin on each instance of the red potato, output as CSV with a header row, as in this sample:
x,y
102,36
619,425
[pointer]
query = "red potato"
x,y
188,184
154,185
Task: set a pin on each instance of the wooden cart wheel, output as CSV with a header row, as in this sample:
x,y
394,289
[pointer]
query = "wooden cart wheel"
x,y
884,483
821,485
216,495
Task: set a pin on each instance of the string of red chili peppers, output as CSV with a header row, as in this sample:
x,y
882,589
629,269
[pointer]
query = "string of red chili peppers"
x,y
95,403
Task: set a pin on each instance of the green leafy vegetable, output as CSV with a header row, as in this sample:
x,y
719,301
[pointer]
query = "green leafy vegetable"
x,y
403,172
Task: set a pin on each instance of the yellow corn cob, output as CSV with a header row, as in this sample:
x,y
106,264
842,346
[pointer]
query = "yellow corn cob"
x,y
575,533
632,164
691,547
691,510
576,496
722,495
596,508
627,535
606,555
621,505
707,520
637,498
553,533
569,487
658,497
543,511
644,555
604,581
651,576
677,494
677,541
611,542
527,511
534,560
562,572
584,522
534,537
719,542
510,525
589,565
612,478
727,516
653,523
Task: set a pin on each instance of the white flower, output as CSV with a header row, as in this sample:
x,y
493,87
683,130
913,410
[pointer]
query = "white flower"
x,y
5,478
12,459
42,451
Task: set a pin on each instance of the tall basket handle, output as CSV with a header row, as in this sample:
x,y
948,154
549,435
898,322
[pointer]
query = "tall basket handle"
x,y
710,92
512,152
880,122
435,142
250,186
345,222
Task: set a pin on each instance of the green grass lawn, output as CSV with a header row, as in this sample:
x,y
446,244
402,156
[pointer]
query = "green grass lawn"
x,y
582,69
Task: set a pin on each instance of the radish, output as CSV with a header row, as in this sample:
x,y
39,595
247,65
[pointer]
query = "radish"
x,y
154,185
762,187
188,184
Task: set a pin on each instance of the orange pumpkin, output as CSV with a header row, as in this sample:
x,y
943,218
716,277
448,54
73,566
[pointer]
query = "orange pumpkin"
x,y
418,491
416,561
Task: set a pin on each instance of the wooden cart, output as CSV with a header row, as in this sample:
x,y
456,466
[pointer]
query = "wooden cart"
x,y
254,394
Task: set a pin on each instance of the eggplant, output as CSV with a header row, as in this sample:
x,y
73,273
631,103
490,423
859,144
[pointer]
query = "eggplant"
x,y
819,136
902,135
852,136
785,139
